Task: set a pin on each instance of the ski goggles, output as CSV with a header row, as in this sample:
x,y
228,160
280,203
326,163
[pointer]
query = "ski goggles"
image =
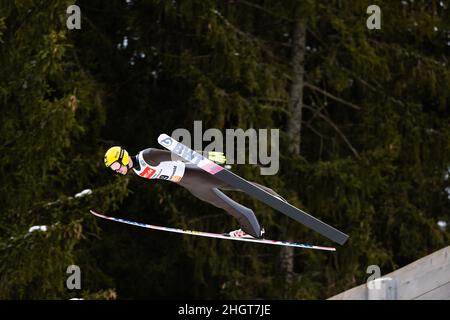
x,y
116,165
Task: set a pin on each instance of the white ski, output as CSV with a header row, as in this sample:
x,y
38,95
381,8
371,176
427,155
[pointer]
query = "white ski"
x,y
214,235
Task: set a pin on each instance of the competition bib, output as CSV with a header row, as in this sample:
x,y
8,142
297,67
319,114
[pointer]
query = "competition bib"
x,y
165,170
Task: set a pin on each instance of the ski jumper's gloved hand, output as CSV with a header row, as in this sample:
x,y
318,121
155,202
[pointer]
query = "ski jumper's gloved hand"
x,y
216,156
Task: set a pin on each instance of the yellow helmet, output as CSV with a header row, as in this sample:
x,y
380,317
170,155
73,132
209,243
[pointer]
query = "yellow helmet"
x,y
116,154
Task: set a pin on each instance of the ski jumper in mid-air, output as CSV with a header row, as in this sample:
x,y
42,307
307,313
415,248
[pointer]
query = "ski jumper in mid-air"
x,y
154,163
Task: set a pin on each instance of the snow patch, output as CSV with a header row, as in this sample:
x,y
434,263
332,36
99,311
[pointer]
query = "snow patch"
x,y
442,225
83,193
37,228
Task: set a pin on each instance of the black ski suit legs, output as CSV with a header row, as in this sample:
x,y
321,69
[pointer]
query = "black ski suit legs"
x,y
245,216
206,187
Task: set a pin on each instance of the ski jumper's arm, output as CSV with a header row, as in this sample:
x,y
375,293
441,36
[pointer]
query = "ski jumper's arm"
x,y
154,156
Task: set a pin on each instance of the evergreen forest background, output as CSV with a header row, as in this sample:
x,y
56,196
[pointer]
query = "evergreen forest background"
x,y
364,119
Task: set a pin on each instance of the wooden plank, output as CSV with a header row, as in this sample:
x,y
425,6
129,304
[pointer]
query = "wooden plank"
x,y
439,293
426,278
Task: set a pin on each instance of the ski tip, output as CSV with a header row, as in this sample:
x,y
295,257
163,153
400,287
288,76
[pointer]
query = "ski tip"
x,y
163,138
166,141
97,214
163,135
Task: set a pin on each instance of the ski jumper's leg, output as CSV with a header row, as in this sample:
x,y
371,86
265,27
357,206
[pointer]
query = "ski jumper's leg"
x,y
245,216
206,187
